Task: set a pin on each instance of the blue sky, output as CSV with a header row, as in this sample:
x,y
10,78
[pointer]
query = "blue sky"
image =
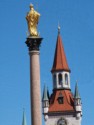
x,y
76,18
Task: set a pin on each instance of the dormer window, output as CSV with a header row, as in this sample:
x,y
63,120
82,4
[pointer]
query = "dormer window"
x,y
60,78
60,98
66,79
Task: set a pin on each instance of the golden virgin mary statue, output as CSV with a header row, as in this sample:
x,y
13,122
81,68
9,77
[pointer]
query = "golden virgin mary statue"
x,y
32,20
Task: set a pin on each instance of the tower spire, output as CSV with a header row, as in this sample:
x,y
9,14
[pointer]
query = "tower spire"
x,y
24,118
60,69
77,103
60,61
45,94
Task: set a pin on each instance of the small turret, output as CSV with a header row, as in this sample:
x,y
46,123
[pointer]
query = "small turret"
x,y
45,102
24,119
45,99
77,102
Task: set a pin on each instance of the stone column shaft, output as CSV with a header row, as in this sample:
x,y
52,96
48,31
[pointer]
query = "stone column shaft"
x,y
33,44
35,93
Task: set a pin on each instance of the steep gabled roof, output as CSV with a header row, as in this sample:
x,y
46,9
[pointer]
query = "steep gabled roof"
x,y
60,61
68,101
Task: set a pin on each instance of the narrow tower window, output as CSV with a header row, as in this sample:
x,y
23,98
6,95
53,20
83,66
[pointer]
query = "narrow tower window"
x,y
66,79
60,79
54,79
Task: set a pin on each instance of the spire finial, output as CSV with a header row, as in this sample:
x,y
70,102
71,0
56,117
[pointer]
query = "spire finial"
x,y
76,82
58,28
23,108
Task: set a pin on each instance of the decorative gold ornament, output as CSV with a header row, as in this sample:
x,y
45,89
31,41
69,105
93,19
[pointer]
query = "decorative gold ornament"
x,y
32,20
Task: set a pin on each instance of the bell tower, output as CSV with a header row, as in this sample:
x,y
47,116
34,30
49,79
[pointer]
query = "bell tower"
x,y
61,107
60,70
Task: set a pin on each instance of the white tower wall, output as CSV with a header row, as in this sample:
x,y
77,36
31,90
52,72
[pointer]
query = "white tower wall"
x,y
65,83
70,120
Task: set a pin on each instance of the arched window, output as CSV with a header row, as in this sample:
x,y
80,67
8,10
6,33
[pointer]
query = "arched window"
x,y
66,79
60,79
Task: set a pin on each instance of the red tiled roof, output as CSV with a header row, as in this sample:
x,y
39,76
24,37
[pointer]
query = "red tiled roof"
x,y
68,102
60,62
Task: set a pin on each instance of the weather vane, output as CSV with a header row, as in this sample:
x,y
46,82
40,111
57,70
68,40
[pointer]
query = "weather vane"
x,y
58,28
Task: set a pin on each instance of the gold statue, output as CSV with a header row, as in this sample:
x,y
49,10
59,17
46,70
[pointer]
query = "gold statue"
x,y
32,20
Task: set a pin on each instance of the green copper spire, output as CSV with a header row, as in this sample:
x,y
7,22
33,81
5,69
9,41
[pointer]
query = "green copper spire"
x,y
76,95
24,119
45,94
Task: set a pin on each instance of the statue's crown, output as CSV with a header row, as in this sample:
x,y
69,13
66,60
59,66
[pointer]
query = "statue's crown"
x,y
31,6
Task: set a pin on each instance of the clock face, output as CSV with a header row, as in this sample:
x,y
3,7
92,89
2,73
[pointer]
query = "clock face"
x,y
61,121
